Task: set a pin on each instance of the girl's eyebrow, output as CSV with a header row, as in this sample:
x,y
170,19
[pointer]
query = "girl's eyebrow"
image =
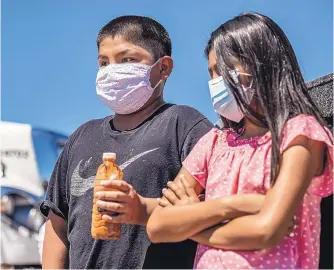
x,y
214,68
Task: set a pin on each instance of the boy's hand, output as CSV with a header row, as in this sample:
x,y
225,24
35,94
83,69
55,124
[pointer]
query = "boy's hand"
x,y
123,200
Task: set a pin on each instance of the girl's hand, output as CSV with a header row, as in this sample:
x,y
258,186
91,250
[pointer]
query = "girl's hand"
x,y
178,194
291,227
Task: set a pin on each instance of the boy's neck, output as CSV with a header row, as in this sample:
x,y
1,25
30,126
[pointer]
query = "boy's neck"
x,y
131,121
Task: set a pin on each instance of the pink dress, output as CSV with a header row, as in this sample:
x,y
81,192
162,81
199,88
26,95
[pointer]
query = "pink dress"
x,y
225,166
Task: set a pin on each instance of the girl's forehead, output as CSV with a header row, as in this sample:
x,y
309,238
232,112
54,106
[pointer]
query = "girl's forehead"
x,y
212,57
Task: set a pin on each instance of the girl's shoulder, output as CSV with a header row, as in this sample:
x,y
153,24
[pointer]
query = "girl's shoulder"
x,y
213,136
303,119
211,141
305,125
309,127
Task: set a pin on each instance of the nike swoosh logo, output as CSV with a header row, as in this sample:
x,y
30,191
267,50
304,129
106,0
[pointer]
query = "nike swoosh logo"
x,y
80,185
127,163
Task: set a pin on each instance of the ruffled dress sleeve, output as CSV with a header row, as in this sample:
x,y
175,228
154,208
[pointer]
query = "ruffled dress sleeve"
x,y
308,126
198,160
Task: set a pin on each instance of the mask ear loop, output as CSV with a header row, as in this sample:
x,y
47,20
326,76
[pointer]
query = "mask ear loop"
x,y
248,92
235,74
251,84
235,77
159,82
156,62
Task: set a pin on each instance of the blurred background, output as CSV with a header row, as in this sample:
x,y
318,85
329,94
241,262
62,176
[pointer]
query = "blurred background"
x,y
49,53
48,71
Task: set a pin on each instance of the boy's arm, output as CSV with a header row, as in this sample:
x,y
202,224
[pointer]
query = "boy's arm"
x,y
55,246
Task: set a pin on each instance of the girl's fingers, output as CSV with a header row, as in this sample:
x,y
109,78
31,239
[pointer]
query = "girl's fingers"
x,y
188,188
163,202
291,227
201,197
177,189
170,196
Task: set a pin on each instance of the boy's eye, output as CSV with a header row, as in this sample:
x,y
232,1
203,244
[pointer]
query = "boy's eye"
x,y
127,60
103,64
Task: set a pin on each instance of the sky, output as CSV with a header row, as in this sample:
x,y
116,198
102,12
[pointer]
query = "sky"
x,y
48,51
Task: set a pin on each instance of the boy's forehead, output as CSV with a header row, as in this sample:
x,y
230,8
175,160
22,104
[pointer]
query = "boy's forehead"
x,y
118,45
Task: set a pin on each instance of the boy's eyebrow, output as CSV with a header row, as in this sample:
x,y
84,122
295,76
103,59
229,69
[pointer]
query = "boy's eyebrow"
x,y
100,56
123,52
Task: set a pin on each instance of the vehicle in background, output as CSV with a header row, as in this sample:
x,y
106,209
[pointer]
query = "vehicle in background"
x,y
28,156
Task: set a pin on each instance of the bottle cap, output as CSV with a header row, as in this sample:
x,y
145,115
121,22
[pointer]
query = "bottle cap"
x,y
109,156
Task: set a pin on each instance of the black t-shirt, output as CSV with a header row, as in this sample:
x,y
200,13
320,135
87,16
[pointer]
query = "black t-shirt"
x,y
149,155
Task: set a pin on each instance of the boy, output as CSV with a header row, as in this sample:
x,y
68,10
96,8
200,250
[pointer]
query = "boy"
x,y
151,139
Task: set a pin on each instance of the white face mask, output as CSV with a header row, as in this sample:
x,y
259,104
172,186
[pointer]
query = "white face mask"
x,y
125,88
223,100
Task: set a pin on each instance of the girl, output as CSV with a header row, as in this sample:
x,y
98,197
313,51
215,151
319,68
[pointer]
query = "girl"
x,y
274,142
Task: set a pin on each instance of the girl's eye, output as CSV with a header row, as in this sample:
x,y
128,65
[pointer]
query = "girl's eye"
x,y
127,60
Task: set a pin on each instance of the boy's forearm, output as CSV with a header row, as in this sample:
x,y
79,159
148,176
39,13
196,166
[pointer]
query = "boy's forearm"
x,y
148,206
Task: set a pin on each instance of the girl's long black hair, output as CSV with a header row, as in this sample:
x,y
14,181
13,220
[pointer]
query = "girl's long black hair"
x,y
260,46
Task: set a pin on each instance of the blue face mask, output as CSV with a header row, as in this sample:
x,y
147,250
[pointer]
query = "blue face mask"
x,y
223,100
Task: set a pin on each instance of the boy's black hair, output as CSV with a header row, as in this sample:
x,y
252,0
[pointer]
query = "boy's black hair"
x,y
141,31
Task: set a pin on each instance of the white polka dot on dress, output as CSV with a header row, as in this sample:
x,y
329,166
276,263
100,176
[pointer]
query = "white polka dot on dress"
x,y
241,169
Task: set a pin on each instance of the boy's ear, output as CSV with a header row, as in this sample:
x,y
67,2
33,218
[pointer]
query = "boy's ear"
x,y
166,67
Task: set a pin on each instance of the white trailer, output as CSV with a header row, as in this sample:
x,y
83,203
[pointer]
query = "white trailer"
x,y
27,158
